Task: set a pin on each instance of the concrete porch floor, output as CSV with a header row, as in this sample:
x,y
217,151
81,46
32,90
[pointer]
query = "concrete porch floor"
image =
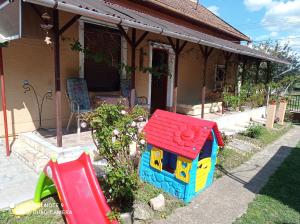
x,y
232,122
70,139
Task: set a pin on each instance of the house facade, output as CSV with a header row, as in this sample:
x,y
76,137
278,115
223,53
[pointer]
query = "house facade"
x,y
93,45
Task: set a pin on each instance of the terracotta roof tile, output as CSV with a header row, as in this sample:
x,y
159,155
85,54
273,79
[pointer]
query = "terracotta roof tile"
x,y
199,13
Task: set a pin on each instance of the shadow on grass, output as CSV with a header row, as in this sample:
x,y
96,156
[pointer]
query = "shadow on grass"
x,y
278,179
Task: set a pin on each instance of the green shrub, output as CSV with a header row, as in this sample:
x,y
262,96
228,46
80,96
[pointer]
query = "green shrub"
x,y
230,100
115,128
119,186
254,131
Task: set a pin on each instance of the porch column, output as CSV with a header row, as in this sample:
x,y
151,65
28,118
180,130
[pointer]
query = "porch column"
x,y
257,64
244,61
177,49
56,47
206,52
134,43
4,103
227,56
269,72
133,54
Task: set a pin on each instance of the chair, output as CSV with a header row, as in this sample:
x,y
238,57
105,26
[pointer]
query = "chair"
x,y
79,100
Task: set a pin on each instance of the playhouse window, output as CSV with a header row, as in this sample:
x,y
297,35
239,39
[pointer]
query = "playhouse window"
x,y
169,162
183,167
206,150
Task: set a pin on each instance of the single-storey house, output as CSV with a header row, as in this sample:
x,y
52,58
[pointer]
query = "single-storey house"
x,y
165,54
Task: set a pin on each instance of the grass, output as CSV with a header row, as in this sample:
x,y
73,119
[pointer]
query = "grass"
x,y
267,136
49,214
229,159
278,201
147,192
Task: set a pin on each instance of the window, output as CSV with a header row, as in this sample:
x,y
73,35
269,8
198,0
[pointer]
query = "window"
x,y
183,168
163,160
206,150
220,77
169,162
102,59
156,158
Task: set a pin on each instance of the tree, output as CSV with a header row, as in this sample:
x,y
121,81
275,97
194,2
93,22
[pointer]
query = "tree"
x,y
282,75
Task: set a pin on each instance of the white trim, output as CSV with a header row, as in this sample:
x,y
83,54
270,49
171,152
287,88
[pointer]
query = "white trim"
x,y
171,64
124,48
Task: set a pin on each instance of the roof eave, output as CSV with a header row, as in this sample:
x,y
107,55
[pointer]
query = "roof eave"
x,y
241,37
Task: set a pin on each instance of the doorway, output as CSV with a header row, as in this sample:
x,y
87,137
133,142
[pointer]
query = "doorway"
x,y
159,84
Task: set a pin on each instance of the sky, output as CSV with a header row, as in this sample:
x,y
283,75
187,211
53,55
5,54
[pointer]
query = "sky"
x,y
261,19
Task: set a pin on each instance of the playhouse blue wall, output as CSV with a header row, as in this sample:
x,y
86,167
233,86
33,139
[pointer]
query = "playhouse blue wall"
x,y
169,183
163,180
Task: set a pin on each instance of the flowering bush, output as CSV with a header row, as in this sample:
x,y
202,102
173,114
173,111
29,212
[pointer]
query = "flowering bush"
x,y
116,128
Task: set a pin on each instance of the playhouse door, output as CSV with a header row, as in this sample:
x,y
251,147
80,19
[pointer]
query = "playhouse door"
x,y
203,169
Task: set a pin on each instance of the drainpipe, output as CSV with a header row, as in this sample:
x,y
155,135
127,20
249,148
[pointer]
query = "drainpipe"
x,y
4,104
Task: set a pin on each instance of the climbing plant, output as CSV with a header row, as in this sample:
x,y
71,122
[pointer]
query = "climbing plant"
x,y
102,57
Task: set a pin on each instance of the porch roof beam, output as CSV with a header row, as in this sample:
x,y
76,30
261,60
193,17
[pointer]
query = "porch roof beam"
x,y
124,34
132,42
177,48
69,24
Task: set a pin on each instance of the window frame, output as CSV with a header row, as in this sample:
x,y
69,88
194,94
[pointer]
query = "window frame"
x,y
124,45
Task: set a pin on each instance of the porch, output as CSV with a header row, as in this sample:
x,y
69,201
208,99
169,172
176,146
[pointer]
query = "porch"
x,y
197,64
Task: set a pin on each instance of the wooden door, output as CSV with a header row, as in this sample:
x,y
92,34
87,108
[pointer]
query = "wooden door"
x,y
159,83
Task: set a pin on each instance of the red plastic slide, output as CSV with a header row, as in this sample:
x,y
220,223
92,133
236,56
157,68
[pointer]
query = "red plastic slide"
x,y
78,189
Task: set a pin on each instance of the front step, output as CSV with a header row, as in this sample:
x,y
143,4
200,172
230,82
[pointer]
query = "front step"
x,y
39,143
35,151
32,158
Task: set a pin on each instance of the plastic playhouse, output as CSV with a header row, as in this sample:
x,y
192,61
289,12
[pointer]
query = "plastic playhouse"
x,y
181,154
78,190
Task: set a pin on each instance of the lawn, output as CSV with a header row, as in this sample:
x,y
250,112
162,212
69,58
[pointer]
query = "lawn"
x,y
279,200
49,214
268,136
229,159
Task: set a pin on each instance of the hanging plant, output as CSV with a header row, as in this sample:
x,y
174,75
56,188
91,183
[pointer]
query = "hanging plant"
x,y
4,44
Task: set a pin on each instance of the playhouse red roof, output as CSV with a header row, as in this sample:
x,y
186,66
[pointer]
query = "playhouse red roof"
x,y
179,134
